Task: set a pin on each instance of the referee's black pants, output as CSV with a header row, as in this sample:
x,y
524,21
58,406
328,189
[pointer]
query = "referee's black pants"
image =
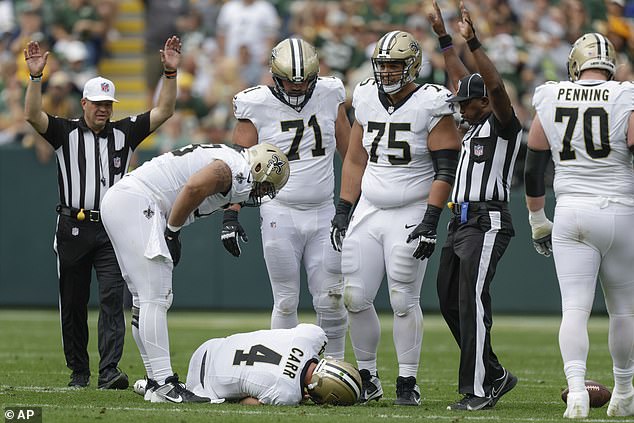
x,y
468,262
80,246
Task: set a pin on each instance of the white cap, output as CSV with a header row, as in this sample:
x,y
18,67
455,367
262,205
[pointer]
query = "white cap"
x,y
99,89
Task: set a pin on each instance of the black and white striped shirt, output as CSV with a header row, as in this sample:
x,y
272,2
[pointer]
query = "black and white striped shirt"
x,y
85,172
487,159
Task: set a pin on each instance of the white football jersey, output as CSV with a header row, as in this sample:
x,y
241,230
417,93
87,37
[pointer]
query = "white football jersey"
x,y
164,176
307,137
266,364
586,124
399,169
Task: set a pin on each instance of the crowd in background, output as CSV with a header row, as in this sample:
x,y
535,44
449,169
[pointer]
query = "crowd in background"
x,y
226,47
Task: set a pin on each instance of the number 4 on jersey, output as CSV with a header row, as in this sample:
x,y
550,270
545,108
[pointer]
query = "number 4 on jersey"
x,y
257,354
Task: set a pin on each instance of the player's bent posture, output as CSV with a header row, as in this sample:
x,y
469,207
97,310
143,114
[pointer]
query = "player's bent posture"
x,y
586,127
143,215
303,115
400,165
276,367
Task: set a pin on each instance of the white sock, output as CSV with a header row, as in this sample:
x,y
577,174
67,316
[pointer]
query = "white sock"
x,y
365,333
576,375
153,330
408,337
623,380
139,343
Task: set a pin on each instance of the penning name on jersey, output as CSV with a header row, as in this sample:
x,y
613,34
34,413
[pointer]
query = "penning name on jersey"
x,y
583,94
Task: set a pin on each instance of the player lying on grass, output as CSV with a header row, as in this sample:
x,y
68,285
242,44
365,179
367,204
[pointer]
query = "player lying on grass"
x,y
277,367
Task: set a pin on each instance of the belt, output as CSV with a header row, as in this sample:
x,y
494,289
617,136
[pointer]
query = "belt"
x,y
463,210
79,214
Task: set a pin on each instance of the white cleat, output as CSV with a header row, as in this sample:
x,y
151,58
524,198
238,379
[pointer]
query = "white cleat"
x,y
621,405
578,405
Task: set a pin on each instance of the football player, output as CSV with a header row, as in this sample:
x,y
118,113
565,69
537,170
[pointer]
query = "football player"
x,y
276,367
400,165
143,215
303,115
586,127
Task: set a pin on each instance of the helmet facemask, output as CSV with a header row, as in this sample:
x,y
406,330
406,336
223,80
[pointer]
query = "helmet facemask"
x,y
396,47
295,61
270,172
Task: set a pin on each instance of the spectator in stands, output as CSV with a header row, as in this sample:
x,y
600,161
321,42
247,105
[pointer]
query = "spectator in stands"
x,y
251,22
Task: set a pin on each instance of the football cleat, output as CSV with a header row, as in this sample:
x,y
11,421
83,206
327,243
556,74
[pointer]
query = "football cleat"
x,y
578,405
407,391
621,405
501,386
145,387
79,380
174,391
370,387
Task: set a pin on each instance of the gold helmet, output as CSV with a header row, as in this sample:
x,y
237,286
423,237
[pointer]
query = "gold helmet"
x,y
270,171
396,46
591,51
294,60
335,382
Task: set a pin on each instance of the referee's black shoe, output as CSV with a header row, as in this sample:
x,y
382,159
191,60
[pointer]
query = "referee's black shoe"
x,y
501,386
113,378
79,380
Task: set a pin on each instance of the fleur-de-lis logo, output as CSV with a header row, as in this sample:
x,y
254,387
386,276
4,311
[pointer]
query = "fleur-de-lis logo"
x,y
240,178
276,164
148,213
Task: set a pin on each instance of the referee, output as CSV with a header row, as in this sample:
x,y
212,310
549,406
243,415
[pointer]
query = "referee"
x,y
92,154
481,227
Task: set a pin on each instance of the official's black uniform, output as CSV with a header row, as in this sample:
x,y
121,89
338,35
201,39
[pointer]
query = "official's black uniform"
x,y
479,232
84,173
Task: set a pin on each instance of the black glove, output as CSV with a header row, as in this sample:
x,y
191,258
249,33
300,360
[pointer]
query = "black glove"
x,y
339,223
232,232
173,244
544,245
426,233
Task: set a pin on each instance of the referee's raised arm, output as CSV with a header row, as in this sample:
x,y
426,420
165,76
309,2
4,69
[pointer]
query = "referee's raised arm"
x,y
171,58
35,61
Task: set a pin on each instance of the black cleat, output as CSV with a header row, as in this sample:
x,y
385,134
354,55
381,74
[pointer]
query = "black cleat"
x,y
174,391
370,387
407,392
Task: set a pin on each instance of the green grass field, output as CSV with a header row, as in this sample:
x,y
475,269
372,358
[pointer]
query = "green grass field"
x,y
33,373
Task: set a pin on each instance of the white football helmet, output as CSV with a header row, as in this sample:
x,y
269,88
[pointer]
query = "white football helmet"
x,y
270,171
401,47
591,51
294,60
335,382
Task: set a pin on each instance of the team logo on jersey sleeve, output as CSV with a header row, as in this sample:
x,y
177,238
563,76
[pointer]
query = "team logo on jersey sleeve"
x,y
148,213
240,178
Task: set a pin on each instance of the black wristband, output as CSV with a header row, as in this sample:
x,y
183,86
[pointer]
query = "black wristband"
x,y
343,207
229,215
445,42
432,215
170,74
473,43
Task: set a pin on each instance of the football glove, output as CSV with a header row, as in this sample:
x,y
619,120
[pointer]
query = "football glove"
x,y
541,229
425,232
173,244
339,223
232,233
